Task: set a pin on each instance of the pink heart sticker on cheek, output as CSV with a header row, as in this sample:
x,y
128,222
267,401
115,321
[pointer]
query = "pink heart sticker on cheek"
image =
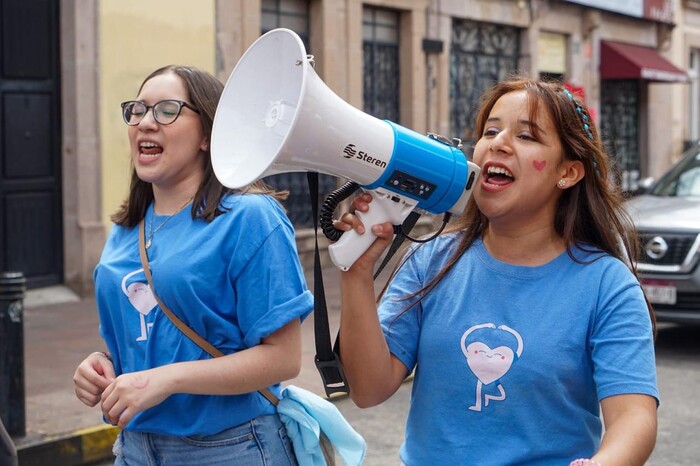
x,y
539,164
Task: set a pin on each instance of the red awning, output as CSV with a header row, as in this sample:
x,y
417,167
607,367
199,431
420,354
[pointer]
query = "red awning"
x,y
627,61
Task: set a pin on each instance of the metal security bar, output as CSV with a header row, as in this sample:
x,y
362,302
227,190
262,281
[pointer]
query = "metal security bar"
x,y
480,55
619,125
380,72
294,15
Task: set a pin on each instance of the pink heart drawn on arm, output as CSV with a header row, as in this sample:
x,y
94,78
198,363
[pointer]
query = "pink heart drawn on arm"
x,y
539,164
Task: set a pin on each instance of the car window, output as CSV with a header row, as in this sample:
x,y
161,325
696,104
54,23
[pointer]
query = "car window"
x,y
682,180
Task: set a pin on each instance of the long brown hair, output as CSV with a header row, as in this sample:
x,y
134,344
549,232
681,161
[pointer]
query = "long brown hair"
x,y
204,92
590,214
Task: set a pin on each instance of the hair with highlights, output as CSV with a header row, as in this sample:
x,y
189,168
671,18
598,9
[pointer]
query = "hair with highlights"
x,y
589,214
203,92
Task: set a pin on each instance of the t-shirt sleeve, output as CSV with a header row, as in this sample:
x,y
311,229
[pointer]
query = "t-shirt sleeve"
x,y
400,317
271,289
622,345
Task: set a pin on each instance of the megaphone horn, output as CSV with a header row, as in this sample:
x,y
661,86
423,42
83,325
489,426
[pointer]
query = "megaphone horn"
x,y
276,115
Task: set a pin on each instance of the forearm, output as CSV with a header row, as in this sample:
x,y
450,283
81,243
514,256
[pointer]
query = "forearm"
x,y
630,437
275,359
368,364
243,372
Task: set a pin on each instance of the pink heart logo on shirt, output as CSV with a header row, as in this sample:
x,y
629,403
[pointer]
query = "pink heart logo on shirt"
x,y
488,364
141,297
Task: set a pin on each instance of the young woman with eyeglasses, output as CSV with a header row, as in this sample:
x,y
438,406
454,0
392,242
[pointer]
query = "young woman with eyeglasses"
x,y
216,256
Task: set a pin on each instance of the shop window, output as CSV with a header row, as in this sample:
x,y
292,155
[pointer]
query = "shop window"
x,y
619,126
481,54
294,15
552,56
290,14
380,65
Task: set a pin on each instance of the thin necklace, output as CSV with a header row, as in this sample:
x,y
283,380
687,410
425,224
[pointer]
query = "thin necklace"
x,y
150,222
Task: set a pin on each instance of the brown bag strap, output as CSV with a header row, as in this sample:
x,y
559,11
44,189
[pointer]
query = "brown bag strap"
x,y
183,327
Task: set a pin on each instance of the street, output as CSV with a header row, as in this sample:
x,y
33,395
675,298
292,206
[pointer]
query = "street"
x,y
678,363
678,368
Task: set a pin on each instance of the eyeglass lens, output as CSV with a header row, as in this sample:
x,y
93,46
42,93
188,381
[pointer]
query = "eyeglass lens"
x,y
165,112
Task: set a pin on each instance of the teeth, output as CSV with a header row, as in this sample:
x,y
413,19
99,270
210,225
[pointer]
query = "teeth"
x,y
148,144
499,171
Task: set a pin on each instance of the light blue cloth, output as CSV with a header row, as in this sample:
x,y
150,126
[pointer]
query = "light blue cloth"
x,y
305,415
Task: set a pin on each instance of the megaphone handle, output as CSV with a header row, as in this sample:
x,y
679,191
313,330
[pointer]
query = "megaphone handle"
x,y
385,207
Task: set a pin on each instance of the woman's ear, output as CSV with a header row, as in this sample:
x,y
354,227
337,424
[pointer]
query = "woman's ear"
x,y
572,172
204,146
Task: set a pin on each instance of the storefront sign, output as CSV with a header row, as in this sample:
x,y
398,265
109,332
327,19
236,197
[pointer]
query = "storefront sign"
x,y
552,52
655,10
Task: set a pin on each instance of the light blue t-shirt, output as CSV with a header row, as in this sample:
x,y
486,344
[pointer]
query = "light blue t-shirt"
x,y
234,280
511,361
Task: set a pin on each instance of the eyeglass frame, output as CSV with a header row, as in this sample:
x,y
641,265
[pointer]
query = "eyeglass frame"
x,y
181,103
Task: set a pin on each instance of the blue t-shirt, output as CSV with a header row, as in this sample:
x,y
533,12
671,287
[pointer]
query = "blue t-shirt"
x,y
511,361
234,280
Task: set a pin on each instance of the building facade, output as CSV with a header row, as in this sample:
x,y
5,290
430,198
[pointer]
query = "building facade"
x,y
420,63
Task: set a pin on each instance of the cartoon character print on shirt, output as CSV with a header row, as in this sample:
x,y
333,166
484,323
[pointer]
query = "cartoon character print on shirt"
x,y
490,353
140,296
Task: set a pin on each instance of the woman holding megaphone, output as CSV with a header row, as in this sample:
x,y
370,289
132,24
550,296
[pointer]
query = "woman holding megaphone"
x,y
224,261
528,331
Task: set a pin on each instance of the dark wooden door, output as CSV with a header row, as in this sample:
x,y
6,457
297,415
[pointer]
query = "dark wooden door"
x,y
619,126
30,147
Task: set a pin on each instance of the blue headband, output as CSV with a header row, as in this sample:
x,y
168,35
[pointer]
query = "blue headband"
x,y
582,115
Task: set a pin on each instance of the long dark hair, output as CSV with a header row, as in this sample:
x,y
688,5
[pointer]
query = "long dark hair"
x,y
204,92
590,214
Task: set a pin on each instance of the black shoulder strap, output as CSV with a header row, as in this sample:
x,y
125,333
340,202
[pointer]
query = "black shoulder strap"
x,y
401,234
327,359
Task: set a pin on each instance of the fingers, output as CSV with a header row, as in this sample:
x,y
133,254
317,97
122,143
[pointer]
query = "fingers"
x,y
384,233
349,221
106,368
112,406
130,394
91,377
361,202
383,230
89,395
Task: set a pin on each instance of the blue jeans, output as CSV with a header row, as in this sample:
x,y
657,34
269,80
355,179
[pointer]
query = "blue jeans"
x,y
261,441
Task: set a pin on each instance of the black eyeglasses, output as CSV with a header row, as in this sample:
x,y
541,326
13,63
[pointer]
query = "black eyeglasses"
x,y
165,112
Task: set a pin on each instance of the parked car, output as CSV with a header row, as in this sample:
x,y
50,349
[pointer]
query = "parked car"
x,y
667,218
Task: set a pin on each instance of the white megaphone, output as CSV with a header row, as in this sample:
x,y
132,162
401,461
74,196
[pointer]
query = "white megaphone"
x,y
276,115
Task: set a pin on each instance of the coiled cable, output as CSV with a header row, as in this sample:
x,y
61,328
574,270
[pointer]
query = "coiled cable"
x,y
329,206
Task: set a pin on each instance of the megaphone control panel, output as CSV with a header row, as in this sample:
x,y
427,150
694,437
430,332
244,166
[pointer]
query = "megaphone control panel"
x,y
411,185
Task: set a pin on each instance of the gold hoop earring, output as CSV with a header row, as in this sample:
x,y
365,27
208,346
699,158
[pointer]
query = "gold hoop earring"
x,y
561,184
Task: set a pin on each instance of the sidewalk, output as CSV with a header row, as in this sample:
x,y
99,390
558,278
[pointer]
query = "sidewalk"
x,y
60,430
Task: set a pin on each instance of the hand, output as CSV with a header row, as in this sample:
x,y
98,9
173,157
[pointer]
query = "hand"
x,y
129,394
91,377
384,232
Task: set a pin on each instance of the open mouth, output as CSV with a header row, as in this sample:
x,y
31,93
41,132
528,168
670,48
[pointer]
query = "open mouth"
x,y
150,149
498,176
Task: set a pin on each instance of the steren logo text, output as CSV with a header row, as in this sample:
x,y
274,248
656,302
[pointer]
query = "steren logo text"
x,y
350,152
